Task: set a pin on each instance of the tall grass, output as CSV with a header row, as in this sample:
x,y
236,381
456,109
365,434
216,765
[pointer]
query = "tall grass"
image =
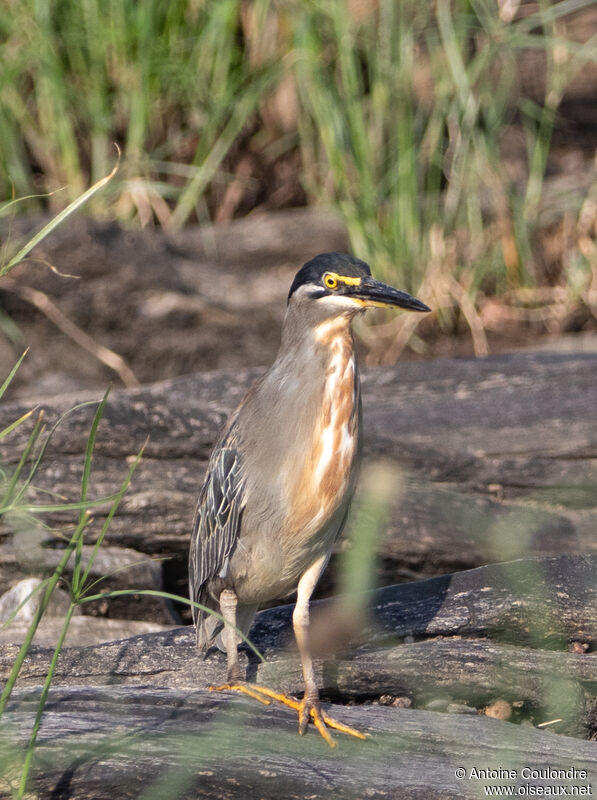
x,y
402,108
18,512
168,81
406,110
15,485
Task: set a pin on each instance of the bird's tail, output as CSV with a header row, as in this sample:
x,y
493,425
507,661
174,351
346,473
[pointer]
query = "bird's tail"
x,y
210,628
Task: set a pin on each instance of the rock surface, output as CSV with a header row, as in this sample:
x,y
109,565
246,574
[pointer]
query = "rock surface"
x,y
135,715
491,459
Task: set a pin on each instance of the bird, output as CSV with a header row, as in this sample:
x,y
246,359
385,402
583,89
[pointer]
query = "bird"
x,y
281,477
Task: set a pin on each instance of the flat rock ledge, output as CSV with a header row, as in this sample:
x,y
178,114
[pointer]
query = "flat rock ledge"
x,y
490,668
489,460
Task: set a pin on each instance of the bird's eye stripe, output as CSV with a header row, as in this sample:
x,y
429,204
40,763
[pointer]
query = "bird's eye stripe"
x,y
331,280
350,281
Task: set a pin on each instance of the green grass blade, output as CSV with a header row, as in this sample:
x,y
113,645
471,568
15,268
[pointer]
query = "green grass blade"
x,y
57,220
196,185
42,702
6,207
85,482
49,589
81,585
11,374
87,587
15,424
42,452
91,444
57,507
9,496
550,13
167,596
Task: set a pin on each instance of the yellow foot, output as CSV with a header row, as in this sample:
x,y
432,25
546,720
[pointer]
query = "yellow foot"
x,y
239,687
306,709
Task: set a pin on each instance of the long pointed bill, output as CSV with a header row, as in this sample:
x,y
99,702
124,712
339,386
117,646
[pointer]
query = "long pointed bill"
x,y
372,293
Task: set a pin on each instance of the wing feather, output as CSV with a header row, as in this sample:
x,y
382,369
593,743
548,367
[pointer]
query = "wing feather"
x,y
216,525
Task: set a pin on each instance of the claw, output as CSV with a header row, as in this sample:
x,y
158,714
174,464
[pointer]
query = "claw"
x,y
238,687
318,721
322,721
306,709
340,726
303,718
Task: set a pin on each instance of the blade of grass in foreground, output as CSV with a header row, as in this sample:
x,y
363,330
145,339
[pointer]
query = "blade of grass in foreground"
x,y
46,509
11,374
75,543
5,207
32,472
42,702
85,484
51,585
58,219
9,497
168,596
82,584
15,424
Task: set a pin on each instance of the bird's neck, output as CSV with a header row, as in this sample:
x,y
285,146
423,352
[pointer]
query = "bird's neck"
x,y
331,331
314,340
317,359
313,408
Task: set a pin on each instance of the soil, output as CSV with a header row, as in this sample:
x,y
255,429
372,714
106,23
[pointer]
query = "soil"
x,y
169,306
214,297
203,300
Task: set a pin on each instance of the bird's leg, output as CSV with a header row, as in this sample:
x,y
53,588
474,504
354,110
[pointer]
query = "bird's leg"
x,y
310,706
228,604
236,680
300,623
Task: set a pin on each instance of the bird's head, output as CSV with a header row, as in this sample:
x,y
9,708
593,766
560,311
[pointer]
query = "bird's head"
x,y
340,284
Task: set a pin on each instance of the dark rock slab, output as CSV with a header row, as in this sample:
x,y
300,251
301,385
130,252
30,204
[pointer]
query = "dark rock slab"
x,y
492,458
422,639
121,741
129,716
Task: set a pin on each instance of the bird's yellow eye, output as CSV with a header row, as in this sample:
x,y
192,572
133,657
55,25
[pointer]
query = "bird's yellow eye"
x,y
330,280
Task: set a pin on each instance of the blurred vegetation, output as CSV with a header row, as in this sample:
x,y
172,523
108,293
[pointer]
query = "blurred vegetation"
x,y
21,516
395,113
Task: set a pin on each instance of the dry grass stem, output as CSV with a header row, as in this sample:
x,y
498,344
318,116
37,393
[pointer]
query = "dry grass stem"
x,y
49,309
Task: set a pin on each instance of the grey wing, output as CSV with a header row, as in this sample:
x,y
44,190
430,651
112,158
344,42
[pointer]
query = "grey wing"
x,y
217,520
